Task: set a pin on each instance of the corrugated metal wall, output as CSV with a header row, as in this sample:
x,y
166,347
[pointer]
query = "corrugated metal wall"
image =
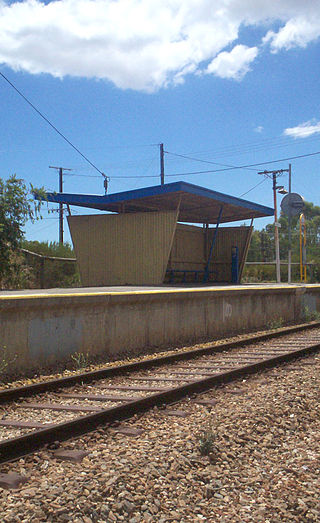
x,y
191,246
123,249
188,249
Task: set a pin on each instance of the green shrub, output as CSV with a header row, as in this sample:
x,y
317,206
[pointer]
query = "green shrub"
x,y
276,323
53,273
5,362
309,315
207,442
81,360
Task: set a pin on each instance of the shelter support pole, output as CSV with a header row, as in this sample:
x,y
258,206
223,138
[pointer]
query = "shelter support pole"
x,y
246,249
206,271
205,241
161,164
60,207
168,265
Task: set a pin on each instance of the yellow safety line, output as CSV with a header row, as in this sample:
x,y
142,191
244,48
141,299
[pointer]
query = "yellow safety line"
x,y
128,293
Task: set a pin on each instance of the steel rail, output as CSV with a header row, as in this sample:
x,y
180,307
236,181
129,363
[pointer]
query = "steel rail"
x,y
87,377
16,447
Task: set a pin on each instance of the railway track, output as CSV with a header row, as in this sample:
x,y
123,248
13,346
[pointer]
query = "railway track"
x,y
57,410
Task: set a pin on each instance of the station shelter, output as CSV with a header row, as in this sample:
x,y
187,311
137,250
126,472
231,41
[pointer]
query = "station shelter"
x,y
162,234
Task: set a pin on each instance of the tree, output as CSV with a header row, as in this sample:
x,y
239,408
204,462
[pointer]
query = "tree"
x,y
262,246
17,205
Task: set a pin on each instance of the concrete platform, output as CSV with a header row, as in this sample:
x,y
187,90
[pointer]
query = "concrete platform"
x,y
130,289
44,327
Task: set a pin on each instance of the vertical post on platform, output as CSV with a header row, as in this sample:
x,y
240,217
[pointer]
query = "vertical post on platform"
x,y
206,271
235,264
161,164
61,207
303,251
289,232
276,230
246,249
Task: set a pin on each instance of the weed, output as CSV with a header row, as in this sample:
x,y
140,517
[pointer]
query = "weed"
x,y
5,360
309,315
207,442
80,360
276,323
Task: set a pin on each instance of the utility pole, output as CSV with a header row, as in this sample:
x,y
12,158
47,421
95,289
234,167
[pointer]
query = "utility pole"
x,y
273,175
161,163
289,231
60,169
276,224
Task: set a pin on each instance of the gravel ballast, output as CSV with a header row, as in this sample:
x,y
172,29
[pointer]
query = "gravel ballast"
x,y
263,466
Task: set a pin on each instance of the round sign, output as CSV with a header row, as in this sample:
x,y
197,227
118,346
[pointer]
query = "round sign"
x,y
292,204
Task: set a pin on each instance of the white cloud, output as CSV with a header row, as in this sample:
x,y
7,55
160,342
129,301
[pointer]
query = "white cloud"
x,y
303,130
234,64
297,32
146,44
258,129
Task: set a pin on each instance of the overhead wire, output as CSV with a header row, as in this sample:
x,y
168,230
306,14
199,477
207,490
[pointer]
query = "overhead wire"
x,y
245,166
51,124
82,175
250,146
226,167
252,188
202,161
213,171
47,226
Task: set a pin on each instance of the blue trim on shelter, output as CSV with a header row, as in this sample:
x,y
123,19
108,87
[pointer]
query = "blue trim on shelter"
x,y
103,202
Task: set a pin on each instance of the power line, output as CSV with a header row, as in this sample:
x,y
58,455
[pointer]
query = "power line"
x,y
51,125
245,166
203,172
148,160
214,170
249,146
82,175
257,185
202,161
221,170
47,226
227,168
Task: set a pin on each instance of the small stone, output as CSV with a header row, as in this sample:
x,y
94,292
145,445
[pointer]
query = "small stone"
x,y
29,492
127,506
76,456
129,431
53,446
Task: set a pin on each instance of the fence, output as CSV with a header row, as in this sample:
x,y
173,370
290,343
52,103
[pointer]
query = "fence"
x,y
312,269
40,267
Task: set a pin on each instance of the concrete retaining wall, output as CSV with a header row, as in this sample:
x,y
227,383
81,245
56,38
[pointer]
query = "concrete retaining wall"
x,y
43,330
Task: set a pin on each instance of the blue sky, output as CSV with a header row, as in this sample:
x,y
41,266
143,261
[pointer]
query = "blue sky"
x,y
232,82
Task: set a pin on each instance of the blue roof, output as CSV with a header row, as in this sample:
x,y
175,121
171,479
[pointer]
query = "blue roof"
x,y
197,204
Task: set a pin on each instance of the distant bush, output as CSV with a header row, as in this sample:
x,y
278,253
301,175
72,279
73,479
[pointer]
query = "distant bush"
x,y
262,248
54,273
64,250
267,273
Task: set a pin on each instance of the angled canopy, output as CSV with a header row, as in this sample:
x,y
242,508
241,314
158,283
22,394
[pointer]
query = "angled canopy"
x,y
196,204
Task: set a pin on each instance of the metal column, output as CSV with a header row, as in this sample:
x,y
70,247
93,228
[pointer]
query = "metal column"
x,y
206,271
